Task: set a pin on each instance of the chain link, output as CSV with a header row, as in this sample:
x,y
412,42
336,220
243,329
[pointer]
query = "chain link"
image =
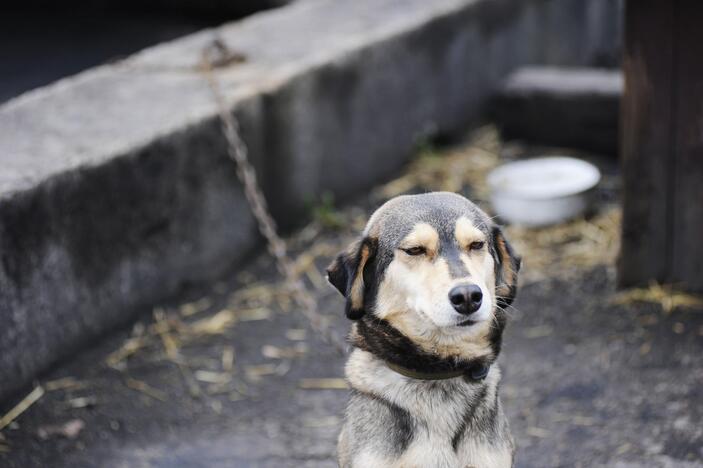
x,y
217,53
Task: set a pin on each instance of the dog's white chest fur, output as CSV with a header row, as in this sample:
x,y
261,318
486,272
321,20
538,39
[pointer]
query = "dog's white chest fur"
x,y
442,436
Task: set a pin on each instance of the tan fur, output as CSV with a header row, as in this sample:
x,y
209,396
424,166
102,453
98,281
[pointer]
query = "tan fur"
x,y
422,235
508,273
392,306
466,233
409,275
356,294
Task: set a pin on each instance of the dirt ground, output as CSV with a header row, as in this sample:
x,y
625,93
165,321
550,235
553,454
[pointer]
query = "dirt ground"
x,y
230,374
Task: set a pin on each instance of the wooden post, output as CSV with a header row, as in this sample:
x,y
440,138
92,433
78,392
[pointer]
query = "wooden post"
x,y
662,144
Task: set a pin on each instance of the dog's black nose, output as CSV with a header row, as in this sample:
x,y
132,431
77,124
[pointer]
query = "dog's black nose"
x,y
466,298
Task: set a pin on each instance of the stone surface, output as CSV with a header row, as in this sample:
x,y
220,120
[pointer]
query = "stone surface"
x,y
576,107
115,189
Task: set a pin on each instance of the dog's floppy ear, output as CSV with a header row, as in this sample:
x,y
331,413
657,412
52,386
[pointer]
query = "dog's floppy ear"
x,y
507,266
346,273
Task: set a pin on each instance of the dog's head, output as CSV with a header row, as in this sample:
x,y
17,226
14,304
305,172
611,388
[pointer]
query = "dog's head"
x,y
435,268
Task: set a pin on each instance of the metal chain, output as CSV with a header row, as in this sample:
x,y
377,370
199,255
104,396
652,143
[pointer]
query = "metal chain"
x,y
239,153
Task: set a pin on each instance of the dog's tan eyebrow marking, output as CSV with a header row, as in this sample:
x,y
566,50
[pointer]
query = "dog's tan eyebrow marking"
x,y
422,235
465,232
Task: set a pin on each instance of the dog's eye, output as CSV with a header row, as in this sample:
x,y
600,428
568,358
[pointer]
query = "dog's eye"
x,y
478,245
414,251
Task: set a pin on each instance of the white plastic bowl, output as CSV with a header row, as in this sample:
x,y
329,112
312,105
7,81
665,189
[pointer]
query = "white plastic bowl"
x,y
542,191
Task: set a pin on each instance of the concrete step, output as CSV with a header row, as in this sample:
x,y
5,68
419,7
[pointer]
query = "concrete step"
x,y
563,106
115,188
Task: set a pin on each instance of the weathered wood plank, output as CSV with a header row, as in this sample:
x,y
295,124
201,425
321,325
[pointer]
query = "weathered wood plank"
x,y
646,135
662,144
687,232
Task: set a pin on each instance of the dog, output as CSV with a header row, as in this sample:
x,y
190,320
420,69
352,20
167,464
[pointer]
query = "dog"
x,y
426,287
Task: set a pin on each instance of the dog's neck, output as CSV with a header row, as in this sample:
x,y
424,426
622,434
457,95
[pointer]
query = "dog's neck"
x,y
406,358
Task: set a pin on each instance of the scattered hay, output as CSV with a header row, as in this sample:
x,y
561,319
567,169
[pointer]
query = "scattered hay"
x,y
665,295
163,328
330,383
306,262
172,331
194,389
218,389
81,402
451,170
128,348
227,358
565,249
216,406
212,377
257,295
255,373
146,389
21,407
290,352
65,383
196,307
296,334
252,315
214,325
236,396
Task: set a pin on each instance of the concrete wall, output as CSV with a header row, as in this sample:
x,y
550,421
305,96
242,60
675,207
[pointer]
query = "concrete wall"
x,y
115,188
561,106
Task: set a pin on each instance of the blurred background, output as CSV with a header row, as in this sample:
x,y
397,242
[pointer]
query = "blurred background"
x,y
144,321
43,41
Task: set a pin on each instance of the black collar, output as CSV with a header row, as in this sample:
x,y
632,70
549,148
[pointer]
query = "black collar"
x,y
475,373
404,357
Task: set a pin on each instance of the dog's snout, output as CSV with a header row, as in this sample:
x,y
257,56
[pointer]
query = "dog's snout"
x,y
466,298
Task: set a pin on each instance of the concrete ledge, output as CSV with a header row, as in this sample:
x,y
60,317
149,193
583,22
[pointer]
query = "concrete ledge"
x,y
116,190
576,107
